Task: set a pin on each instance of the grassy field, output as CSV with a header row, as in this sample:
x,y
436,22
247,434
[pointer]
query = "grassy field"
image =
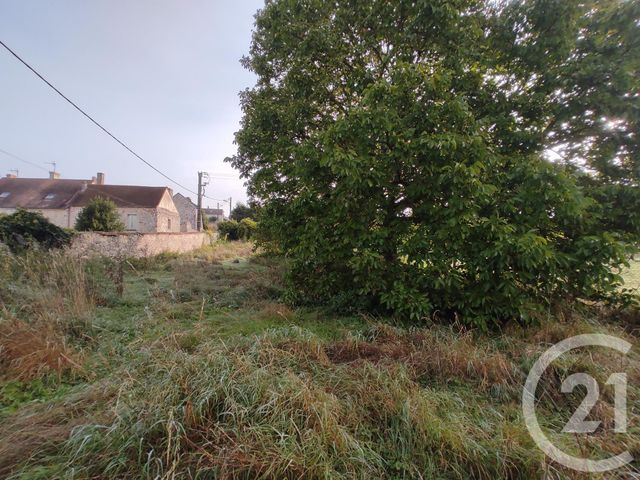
x,y
200,370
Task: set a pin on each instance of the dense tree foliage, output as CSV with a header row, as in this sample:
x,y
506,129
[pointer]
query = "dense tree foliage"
x,y
242,211
24,229
100,215
234,230
399,150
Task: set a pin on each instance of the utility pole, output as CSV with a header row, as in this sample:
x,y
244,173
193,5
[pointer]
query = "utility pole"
x,y
203,181
199,211
230,206
17,172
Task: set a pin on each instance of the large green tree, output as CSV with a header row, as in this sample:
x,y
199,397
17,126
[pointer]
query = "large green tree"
x,y
399,150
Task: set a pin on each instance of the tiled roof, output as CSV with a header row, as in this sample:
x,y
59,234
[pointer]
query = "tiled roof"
x,y
122,195
61,193
38,192
213,211
184,200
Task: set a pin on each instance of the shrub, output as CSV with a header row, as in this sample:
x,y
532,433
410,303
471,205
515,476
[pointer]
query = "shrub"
x,y
24,229
233,230
247,228
100,215
229,230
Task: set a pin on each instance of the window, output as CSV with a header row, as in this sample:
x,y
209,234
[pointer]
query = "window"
x,y
132,221
169,224
49,196
5,194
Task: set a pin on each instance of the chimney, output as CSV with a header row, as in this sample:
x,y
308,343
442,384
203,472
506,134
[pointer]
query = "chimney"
x,y
54,175
100,179
11,175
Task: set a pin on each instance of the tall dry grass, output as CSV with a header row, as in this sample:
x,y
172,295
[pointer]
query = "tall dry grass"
x,y
389,403
223,250
47,285
45,300
287,405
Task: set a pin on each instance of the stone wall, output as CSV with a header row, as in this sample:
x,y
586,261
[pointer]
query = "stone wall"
x,y
134,244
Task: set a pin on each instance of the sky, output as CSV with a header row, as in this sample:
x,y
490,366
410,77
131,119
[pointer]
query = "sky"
x,y
162,75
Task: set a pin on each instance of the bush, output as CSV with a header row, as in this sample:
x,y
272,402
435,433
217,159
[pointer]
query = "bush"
x,y
228,230
233,230
100,215
24,229
247,228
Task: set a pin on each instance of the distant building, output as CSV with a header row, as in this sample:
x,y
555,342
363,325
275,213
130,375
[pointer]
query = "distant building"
x,y
188,212
213,215
141,209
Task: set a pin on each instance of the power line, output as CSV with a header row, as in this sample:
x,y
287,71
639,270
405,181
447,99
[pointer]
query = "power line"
x,y
9,154
94,121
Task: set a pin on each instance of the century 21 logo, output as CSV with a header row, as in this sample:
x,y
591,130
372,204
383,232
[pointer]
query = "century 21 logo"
x,y
577,423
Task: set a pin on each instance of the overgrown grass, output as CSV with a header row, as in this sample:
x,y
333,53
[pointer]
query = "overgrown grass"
x,y
200,370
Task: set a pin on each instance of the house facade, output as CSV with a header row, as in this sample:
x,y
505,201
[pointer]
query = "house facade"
x,y
142,209
188,212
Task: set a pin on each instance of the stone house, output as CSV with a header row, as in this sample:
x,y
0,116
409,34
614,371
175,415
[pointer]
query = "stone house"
x,y
213,215
141,209
188,212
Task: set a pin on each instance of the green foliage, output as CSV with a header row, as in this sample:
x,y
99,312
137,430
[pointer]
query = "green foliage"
x,y
398,151
15,393
100,215
234,230
574,72
24,229
247,228
242,211
228,230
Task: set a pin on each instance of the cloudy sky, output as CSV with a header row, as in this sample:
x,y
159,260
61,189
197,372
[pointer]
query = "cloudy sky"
x,y
163,75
